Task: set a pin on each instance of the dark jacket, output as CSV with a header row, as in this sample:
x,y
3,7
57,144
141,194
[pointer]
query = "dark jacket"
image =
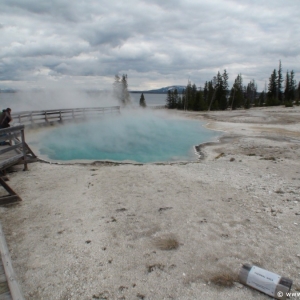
x,y
5,118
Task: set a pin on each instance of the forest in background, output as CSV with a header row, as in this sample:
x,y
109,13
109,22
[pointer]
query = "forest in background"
x,y
216,95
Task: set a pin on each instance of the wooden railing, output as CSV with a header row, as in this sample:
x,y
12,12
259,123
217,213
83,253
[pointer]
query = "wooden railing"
x,y
15,291
61,115
15,150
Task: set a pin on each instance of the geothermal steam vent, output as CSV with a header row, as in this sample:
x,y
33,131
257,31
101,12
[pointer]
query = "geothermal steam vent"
x,y
140,136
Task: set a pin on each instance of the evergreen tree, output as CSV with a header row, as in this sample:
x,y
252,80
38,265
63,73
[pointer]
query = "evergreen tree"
x,y
261,99
298,94
125,93
293,86
236,98
279,95
193,98
290,88
205,93
250,95
142,101
169,100
222,90
272,90
117,88
172,99
213,87
180,102
201,103
287,90
175,98
121,92
183,100
188,96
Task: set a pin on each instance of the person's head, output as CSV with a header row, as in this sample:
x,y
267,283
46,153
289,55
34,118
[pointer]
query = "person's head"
x,y
8,110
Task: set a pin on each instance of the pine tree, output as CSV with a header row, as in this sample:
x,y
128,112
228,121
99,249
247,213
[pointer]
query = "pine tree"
x,y
287,90
201,103
121,92
181,105
193,99
188,96
272,89
175,98
125,93
261,98
290,89
236,98
250,95
169,100
279,95
293,86
117,88
225,80
142,101
213,86
298,94
205,93
222,90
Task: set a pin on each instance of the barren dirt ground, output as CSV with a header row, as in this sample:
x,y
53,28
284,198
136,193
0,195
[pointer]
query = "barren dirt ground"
x,y
172,231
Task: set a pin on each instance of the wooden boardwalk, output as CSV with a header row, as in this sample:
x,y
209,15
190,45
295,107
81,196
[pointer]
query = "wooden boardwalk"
x,y
41,117
9,287
4,288
15,151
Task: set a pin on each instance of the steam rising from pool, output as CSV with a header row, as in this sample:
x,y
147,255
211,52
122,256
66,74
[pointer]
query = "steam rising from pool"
x,y
138,135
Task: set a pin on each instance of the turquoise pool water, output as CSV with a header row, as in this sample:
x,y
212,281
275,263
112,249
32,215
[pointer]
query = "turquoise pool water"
x,y
139,136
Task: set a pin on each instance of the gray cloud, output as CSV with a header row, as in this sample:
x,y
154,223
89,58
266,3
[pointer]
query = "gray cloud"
x,y
158,41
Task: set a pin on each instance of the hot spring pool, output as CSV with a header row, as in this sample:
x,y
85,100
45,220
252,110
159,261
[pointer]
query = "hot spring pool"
x,y
139,135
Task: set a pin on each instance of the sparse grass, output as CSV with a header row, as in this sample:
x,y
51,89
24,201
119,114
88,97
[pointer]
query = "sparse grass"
x,y
167,243
223,279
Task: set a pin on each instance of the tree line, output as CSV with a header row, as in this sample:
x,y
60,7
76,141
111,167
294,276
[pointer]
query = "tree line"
x,y
216,95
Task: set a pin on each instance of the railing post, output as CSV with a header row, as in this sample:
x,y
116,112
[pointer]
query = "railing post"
x,y
9,138
24,149
46,119
31,119
19,118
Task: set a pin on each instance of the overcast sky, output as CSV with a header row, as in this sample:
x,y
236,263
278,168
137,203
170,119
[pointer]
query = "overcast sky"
x,y
84,43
